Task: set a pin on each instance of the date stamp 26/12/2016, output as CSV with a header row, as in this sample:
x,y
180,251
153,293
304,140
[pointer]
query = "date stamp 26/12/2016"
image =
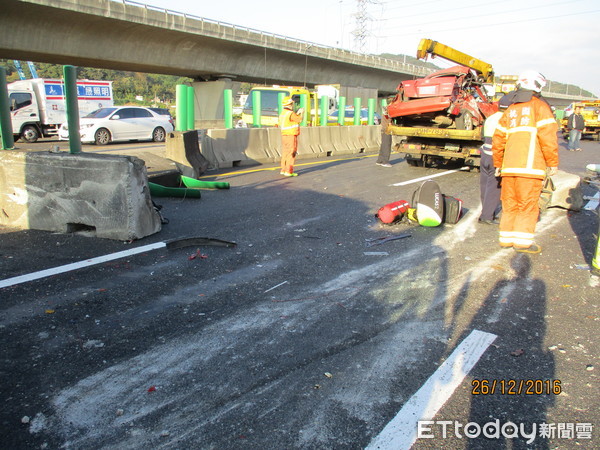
x,y
515,387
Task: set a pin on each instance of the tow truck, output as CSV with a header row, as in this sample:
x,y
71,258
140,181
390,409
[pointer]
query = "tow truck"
x,y
440,118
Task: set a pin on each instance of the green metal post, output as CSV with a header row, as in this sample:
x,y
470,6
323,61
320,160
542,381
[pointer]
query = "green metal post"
x,y
6,130
228,108
371,103
304,106
324,110
280,97
342,111
181,107
191,111
256,109
357,110
70,73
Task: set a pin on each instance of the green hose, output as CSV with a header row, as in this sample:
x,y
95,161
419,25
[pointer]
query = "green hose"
x,y
197,184
162,191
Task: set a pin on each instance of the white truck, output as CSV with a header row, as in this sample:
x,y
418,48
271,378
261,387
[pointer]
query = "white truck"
x,y
38,106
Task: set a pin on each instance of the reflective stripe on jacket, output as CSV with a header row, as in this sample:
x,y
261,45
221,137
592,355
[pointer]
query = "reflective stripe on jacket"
x,y
489,126
289,123
525,141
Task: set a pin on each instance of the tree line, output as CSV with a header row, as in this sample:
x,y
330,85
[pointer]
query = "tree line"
x,y
157,90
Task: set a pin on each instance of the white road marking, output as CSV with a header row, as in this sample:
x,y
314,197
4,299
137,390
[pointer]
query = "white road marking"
x,y
78,265
592,205
441,174
401,432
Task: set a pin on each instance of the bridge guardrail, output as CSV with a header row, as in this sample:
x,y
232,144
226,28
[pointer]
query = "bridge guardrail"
x,y
302,46
288,43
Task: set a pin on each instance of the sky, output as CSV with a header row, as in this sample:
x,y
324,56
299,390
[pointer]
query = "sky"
x,y
560,39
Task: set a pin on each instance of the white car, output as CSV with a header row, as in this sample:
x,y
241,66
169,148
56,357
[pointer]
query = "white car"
x,y
125,123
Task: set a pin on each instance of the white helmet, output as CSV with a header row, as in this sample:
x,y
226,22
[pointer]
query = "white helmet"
x,y
531,80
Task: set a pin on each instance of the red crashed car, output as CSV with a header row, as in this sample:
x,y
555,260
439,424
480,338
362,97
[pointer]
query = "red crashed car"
x,y
448,98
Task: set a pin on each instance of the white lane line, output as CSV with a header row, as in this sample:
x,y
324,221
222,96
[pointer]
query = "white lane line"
x,y
401,432
78,265
593,203
441,174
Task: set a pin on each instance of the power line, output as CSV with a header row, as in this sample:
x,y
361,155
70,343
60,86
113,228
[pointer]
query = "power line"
x,y
487,25
481,15
429,11
420,4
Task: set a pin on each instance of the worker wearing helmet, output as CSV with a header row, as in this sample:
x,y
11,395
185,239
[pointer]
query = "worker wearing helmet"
x,y
525,151
289,123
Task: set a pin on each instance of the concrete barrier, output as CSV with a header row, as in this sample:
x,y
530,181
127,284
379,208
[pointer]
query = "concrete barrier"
x,y
183,148
106,195
567,191
246,146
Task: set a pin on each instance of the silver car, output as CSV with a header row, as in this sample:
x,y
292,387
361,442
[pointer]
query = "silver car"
x,y
125,123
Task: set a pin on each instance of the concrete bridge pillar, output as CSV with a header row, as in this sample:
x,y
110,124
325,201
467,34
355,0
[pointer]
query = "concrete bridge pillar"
x,y
209,103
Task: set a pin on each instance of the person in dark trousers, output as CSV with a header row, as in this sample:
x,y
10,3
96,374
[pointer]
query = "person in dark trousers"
x,y
489,183
385,148
575,124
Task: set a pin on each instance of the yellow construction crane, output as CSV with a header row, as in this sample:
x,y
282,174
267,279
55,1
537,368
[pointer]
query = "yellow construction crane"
x,y
434,48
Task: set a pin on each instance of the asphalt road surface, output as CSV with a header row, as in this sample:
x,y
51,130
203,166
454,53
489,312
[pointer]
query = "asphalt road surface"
x,y
302,335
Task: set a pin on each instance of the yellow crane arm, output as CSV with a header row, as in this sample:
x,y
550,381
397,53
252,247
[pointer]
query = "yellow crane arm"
x,y
428,46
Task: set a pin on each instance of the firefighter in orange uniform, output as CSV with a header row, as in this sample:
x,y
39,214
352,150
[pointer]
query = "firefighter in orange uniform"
x,y
525,151
289,123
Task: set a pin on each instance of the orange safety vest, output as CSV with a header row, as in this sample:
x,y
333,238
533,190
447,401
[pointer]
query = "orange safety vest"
x,y
525,141
289,123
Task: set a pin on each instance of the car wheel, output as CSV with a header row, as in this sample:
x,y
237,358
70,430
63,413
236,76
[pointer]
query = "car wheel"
x,y
464,121
158,135
102,136
30,134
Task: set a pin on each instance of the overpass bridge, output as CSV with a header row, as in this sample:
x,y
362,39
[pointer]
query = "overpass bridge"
x,y
125,35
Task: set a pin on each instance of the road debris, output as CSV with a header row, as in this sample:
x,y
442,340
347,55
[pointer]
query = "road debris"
x,y
384,239
274,287
197,241
197,255
93,343
518,352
